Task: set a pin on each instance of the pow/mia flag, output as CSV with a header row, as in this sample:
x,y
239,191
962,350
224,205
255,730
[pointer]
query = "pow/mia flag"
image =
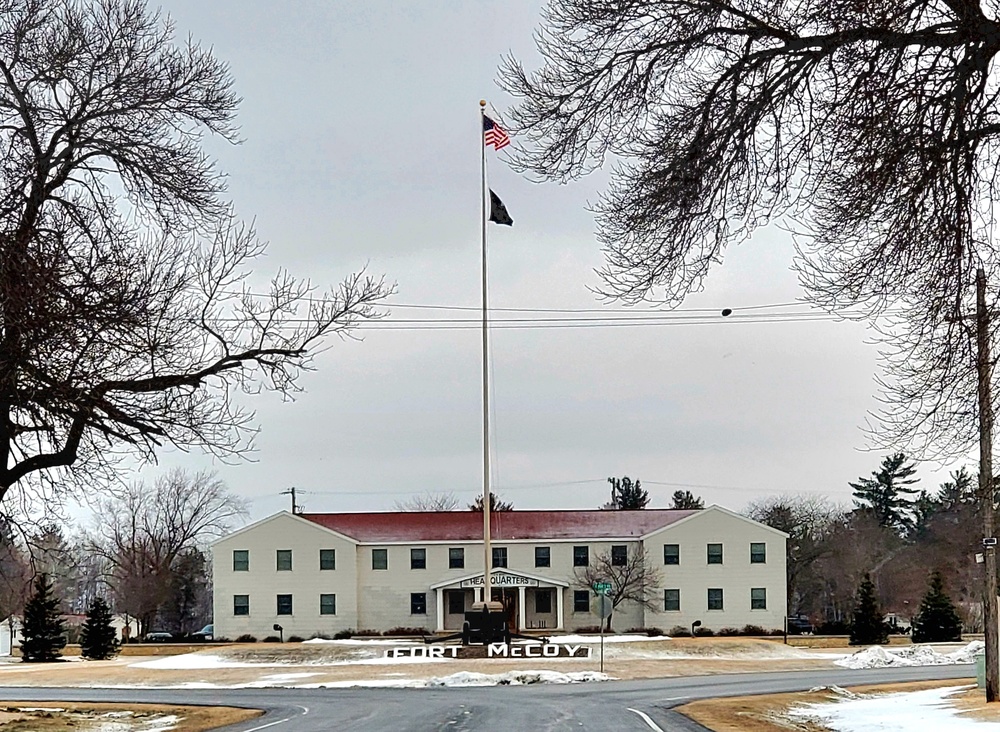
x,y
498,212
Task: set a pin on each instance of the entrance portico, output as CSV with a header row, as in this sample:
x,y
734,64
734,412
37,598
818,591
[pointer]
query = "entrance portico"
x,y
463,591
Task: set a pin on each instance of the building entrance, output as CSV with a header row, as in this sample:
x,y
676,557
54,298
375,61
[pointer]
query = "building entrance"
x,y
507,596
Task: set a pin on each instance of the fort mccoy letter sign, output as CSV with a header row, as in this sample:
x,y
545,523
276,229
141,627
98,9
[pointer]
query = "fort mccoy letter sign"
x,y
494,650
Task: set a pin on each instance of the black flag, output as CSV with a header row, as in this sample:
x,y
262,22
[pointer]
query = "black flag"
x,y
498,212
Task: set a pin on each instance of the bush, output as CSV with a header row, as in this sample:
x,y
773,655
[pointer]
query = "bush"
x,y
272,639
319,636
595,629
703,632
403,630
727,632
651,632
367,633
224,639
833,627
776,632
679,631
753,630
246,638
343,634
295,639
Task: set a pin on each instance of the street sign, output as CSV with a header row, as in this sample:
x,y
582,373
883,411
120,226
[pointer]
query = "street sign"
x,y
604,606
602,588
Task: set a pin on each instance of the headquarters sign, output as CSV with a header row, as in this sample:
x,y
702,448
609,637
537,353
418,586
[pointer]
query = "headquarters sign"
x,y
502,579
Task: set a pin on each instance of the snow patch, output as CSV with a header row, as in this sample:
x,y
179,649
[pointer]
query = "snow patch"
x,y
470,678
919,655
901,712
607,639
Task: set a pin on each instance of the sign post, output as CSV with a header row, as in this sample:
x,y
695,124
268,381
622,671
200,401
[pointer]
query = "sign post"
x,y
604,609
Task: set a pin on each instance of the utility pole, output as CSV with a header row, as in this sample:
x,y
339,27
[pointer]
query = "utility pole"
x,y
291,491
984,368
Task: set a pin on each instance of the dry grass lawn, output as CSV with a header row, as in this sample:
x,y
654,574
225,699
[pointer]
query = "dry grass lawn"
x,y
770,713
51,717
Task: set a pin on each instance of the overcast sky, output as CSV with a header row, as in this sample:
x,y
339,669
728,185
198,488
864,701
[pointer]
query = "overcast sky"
x,y
362,143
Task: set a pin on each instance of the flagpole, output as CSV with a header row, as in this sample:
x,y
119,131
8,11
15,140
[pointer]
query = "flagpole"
x,y
487,553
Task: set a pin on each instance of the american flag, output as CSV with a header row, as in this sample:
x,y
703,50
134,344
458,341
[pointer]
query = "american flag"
x,y
493,134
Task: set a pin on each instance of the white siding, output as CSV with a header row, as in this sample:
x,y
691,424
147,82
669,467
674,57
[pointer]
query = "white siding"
x,y
380,599
736,576
263,582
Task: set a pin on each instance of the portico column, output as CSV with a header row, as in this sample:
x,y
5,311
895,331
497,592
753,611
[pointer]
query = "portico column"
x,y
440,608
559,608
522,616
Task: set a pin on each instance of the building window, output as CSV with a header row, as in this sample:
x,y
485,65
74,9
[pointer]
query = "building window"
x,y
619,555
284,604
380,559
581,557
758,552
327,559
241,604
715,553
671,601
714,598
241,560
543,601
418,559
456,603
758,598
456,558
581,600
418,603
284,560
671,553
328,604
499,556
543,556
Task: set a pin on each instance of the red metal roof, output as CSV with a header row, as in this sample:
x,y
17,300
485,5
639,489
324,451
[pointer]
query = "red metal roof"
x,y
416,526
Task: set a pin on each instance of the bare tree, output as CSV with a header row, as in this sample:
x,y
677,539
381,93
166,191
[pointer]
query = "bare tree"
x,y
126,318
144,532
429,502
874,124
632,578
871,130
810,523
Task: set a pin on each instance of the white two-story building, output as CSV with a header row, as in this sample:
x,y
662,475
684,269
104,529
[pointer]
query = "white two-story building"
x,y
324,572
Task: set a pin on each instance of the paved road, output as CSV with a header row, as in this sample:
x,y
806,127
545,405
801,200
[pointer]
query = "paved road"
x,y
619,706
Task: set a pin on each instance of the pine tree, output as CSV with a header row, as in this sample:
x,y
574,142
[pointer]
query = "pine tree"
x,y
868,627
627,495
888,494
44,635
97,636
937,619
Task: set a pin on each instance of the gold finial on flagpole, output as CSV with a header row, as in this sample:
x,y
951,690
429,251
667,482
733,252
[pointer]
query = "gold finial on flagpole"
x,y
482,102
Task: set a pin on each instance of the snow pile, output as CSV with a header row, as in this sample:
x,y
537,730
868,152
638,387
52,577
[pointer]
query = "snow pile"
x,y
192,661
360,641
879,657
903,712
469,678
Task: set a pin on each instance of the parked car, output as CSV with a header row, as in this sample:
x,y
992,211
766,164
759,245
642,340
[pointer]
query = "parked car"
x,y
206,633
158,637
799,625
